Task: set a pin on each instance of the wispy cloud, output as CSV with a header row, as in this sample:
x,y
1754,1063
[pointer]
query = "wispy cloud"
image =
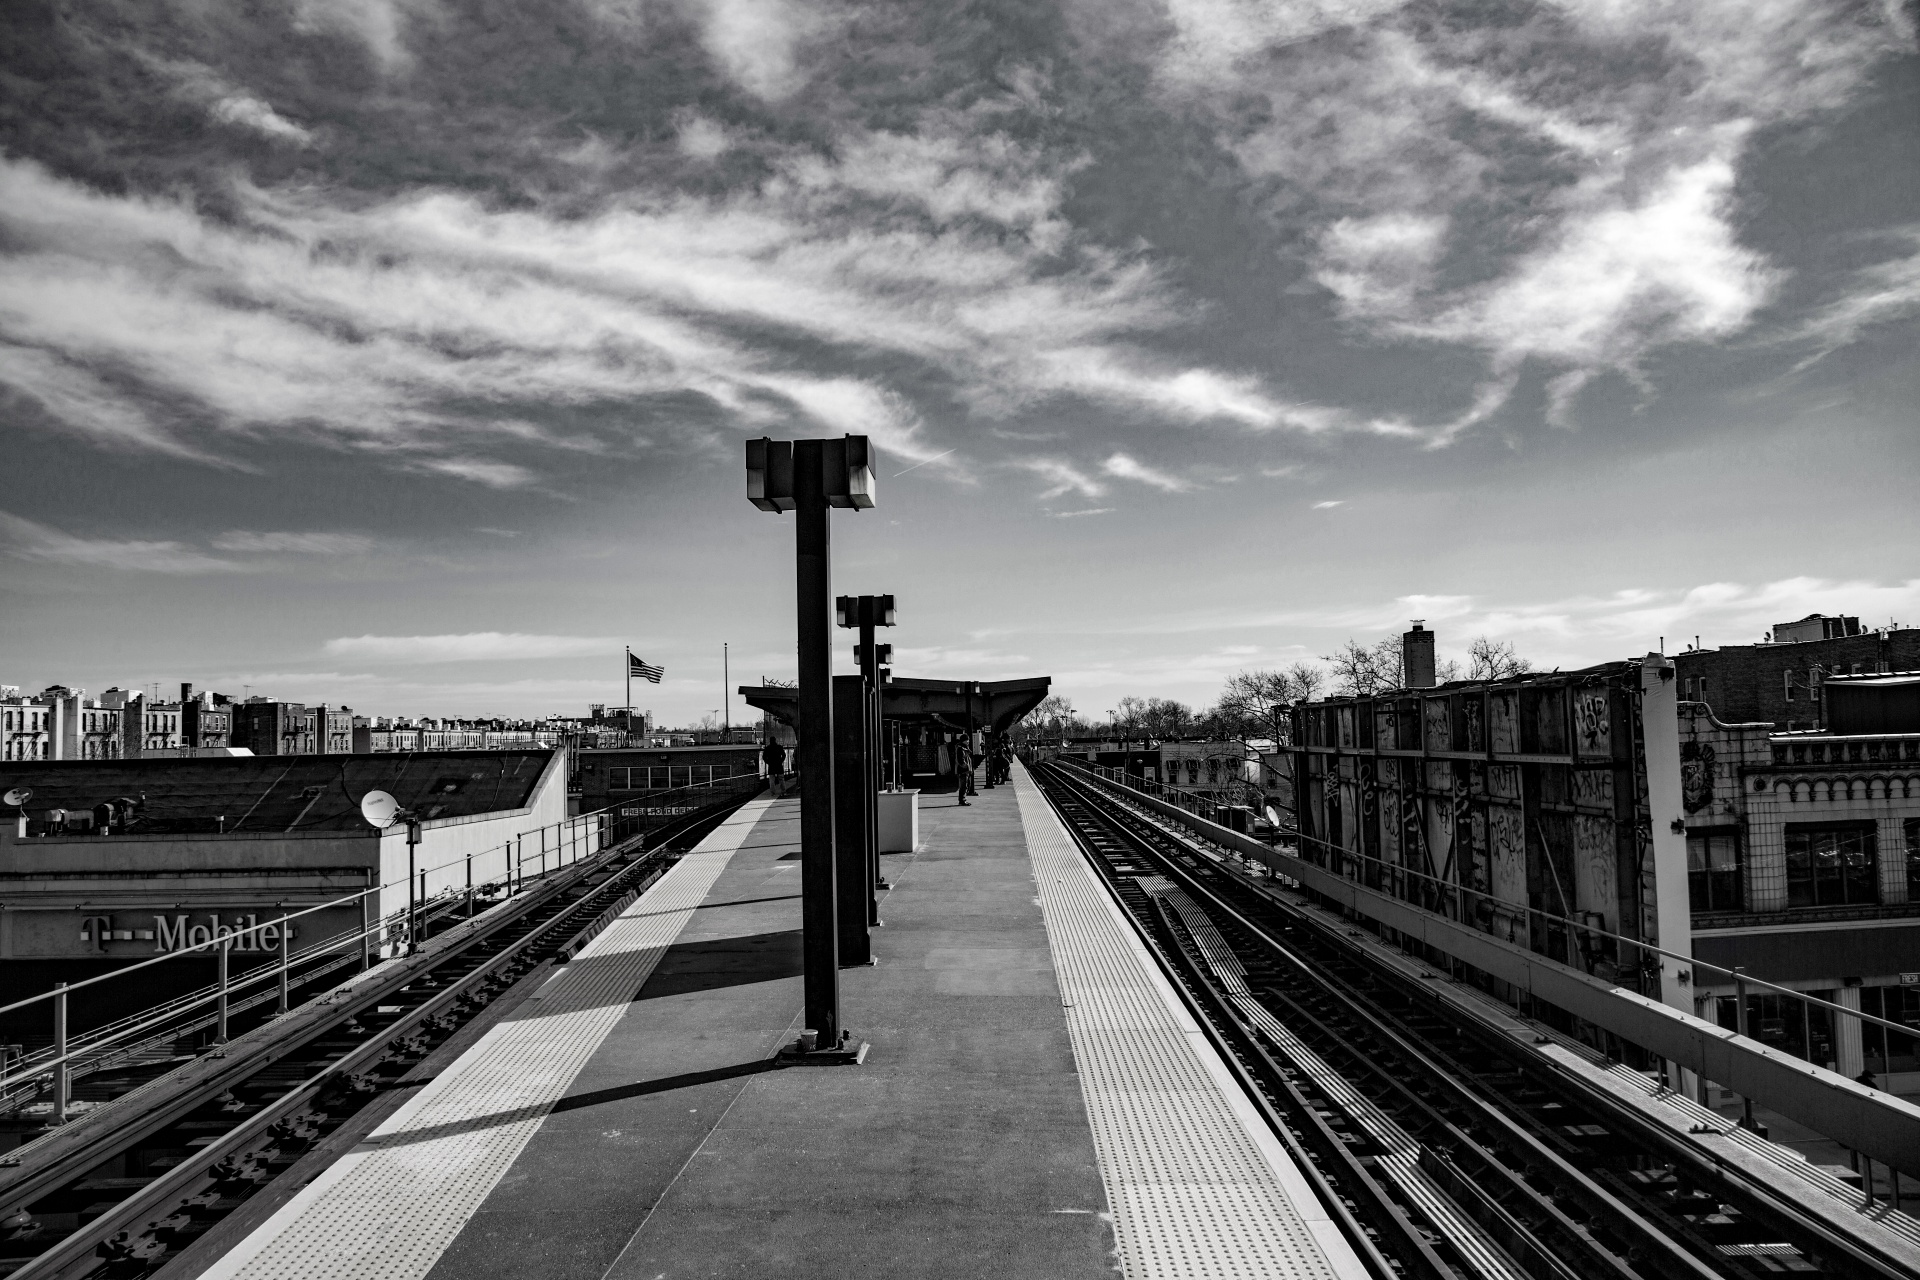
x,y
1062,477
1084,511
315,544
1631,620
1127,467
28,540
251,113
1329,504
429,327
1875,295
1560,189
474,646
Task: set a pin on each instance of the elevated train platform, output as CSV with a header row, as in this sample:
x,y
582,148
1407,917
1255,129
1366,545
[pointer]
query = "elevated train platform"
x,y
1035,1102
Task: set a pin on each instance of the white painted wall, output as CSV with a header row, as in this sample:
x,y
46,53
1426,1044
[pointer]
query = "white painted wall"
x,y
490,840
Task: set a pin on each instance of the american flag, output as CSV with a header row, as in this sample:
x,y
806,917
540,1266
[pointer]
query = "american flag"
x,y
637,666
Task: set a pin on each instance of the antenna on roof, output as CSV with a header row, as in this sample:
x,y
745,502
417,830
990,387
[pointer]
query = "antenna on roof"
x,y
18,797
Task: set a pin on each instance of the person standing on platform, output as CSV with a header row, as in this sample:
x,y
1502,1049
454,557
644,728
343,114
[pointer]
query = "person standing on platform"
x,y
774,756
962,769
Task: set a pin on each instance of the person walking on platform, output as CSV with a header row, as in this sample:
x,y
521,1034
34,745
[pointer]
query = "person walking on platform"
x,y
962,769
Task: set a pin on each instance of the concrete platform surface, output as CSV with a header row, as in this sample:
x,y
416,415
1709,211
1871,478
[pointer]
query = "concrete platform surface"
x,y
629,1121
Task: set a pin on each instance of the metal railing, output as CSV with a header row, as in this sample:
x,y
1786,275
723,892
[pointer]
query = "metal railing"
x,y
554,846
1452,899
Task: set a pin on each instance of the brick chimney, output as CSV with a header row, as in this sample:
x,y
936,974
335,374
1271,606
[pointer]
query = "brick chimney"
x,y
1416,657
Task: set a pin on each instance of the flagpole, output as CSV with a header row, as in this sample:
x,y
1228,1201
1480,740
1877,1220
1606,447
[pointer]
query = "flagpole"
x,y
629,725
726,684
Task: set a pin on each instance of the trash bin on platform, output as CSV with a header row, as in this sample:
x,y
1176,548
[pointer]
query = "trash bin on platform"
x,y
899,821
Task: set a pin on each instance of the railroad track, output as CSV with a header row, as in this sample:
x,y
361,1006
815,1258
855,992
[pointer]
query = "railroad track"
x,y
1446,1152
166,1179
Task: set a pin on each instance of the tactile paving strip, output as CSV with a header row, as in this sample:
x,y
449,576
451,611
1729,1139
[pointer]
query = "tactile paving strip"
x,y
390,1208
1195,1190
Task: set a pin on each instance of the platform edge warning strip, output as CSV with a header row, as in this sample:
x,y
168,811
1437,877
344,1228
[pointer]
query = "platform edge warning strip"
x,y
1197,1183
390,1208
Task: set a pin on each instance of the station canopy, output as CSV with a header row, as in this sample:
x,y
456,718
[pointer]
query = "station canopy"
x,y
959,705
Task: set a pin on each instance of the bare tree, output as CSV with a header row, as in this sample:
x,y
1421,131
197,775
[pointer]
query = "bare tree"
x,y
1489,659
1127,716
1053,718
1165,718
1360,670
1257,704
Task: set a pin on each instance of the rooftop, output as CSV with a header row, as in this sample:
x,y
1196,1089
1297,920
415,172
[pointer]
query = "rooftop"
x,y
283,793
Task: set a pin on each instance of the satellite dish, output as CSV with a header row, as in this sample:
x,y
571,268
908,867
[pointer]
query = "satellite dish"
x,y
19,796
1273,817
379,809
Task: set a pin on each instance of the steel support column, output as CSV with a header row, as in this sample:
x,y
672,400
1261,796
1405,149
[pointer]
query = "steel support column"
x,y
813,610
851,835
870,683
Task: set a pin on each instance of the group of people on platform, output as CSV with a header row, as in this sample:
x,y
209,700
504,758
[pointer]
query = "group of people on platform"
x,y
998,757
956,756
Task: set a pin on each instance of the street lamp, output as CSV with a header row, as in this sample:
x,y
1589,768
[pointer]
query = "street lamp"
x,y
382,811
809,478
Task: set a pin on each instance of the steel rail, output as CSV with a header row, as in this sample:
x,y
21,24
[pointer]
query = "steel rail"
x,y
450,986
1816,1234
1471,1248
1610,1200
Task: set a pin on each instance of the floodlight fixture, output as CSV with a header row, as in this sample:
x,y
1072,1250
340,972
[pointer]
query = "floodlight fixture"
x,y
770,474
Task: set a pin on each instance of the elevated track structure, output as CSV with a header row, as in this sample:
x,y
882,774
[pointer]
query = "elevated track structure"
x,y
163,1177
1450,1136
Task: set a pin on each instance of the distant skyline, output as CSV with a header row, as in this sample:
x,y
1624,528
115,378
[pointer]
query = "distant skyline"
x,y
399,354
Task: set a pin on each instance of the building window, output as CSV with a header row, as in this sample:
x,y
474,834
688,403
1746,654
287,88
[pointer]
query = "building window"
x,y
1786,681
1832,866
1713,872
1911,829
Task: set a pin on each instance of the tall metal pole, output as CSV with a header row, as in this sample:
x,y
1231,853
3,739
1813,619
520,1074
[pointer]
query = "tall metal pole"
x,y
813,585
413,902
726,698
286,959
220,1014
870,677
63,1071
627,728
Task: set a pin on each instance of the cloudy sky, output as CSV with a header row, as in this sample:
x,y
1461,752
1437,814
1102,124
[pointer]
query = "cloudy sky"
x,y
400,352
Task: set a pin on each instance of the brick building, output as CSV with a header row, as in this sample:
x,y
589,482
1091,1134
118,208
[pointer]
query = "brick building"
x,y
206,719
1803,852
28,730
1779,681
269,728
332,729
1540,795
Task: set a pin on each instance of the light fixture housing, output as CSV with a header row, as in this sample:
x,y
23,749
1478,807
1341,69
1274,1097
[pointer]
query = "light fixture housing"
x,y
770,474
848,482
